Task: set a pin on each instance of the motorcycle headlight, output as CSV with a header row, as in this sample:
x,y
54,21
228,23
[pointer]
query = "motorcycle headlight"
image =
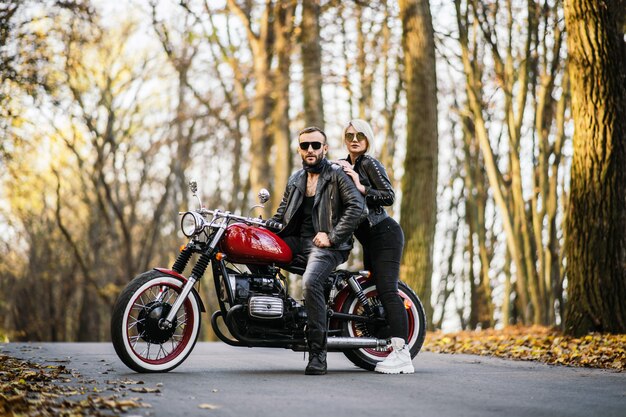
x,y
191,224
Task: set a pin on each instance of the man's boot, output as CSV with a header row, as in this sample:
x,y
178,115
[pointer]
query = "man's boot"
x,y
317,353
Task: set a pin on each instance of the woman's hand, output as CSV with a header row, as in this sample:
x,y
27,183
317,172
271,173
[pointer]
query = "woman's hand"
x,y
347,168
343,163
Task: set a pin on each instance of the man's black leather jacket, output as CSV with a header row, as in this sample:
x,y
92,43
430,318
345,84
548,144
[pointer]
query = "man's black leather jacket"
x,y
338,207
378,189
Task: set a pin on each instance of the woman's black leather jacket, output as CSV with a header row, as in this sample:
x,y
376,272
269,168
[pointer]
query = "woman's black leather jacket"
x,y
378,189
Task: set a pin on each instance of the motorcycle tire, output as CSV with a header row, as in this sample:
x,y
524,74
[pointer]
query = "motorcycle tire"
x,y
367,358
138,341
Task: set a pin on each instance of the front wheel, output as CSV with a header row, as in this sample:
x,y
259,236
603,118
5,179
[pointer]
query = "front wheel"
x,y
138,340
367,358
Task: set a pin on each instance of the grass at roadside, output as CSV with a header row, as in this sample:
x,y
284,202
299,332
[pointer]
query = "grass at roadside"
x,y
535,343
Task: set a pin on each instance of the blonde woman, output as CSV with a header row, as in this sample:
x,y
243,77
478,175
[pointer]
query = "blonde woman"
x,y
381,237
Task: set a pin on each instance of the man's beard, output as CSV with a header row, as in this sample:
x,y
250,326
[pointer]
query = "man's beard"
x,y
312,164
320,164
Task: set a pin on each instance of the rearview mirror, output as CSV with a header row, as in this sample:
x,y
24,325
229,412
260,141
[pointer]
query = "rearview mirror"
x,y
264,196
193,186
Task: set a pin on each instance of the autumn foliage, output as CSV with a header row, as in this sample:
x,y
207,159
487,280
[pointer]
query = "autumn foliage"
x,y
535,343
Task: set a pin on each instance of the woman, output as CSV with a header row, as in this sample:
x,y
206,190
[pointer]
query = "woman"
x,y
381,237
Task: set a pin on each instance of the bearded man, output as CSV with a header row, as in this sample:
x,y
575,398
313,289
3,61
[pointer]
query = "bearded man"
x,y
320,210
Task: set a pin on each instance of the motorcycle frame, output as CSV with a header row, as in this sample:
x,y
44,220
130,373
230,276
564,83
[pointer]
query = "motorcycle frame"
x,y
209,254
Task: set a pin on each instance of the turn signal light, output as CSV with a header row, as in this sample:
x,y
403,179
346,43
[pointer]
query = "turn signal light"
x,y
408,304
182,247
219,256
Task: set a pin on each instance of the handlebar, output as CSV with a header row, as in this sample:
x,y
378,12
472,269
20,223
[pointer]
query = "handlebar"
x,y
270,224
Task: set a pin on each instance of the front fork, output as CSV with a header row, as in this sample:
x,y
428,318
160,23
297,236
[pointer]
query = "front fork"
x,y
166,323
196,274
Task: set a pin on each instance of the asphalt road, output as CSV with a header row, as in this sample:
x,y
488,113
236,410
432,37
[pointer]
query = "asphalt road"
x,y
231,381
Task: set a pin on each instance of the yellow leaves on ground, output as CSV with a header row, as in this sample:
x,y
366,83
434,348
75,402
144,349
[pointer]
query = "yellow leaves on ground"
x,y
535,343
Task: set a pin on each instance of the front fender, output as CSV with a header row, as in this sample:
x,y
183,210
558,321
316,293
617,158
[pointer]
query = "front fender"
x,y
184,280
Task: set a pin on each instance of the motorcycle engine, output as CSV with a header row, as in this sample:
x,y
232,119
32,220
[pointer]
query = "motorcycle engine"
x,y
262,294
265,307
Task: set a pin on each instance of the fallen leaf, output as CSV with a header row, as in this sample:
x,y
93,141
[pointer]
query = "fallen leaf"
x,y
206,406
145,390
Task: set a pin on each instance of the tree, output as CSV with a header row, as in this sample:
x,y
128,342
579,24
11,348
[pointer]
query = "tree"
x,y
596,218
311,64
222,104
24,57
98,196
515,88
419,186
283,32
251,61
262,44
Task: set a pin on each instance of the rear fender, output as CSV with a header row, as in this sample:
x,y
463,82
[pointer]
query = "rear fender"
x,y
184,280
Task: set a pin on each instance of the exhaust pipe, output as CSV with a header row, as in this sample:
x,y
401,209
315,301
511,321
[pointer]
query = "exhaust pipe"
x,y
355,342
298,345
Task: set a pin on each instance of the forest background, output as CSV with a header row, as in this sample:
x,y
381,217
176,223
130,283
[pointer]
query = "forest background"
x,y
107,109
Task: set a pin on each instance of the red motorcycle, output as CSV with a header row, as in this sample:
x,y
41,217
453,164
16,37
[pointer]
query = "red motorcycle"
x,y
156,318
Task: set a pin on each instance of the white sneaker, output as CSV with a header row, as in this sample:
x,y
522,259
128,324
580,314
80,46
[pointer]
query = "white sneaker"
x,y
398,361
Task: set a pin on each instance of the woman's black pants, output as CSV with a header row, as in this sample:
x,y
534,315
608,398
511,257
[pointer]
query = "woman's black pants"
x,y
382,252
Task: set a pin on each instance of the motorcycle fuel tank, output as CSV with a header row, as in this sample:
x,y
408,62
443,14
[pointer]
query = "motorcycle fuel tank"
x,y
254,245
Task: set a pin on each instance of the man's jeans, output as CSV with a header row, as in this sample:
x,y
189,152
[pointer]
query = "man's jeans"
x,y
320,263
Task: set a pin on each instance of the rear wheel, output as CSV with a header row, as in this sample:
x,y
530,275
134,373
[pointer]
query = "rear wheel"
x,y
367,358
138,340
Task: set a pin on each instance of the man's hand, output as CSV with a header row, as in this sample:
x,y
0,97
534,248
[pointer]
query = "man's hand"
x,y
321,240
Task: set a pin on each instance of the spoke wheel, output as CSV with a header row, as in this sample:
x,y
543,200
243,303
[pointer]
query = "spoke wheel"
x,y
367,358
137,337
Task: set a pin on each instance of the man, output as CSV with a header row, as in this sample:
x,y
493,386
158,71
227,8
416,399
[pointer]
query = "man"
x,y
320,210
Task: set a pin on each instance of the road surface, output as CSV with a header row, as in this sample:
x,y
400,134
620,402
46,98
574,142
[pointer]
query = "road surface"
x,y
236,382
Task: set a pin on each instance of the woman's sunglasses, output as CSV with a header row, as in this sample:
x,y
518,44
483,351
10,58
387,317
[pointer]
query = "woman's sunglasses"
x,y
315,145
360,136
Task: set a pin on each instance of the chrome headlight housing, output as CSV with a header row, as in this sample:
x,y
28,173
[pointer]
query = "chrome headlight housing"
x,y
192,223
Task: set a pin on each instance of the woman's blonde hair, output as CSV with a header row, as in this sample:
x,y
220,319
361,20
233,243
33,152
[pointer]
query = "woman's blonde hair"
x,y
361,125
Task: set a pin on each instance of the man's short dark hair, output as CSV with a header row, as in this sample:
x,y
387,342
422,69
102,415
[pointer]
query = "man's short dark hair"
x,y
312,129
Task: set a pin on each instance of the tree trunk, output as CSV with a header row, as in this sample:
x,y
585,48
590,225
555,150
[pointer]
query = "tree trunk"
x,y
596,217
260,140
262,48
280,108
392,64
311,64
365,80
506,297
474,88
476,202
419,185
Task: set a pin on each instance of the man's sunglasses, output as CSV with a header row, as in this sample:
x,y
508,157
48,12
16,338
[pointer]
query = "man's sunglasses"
x,y
315,145
360,136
